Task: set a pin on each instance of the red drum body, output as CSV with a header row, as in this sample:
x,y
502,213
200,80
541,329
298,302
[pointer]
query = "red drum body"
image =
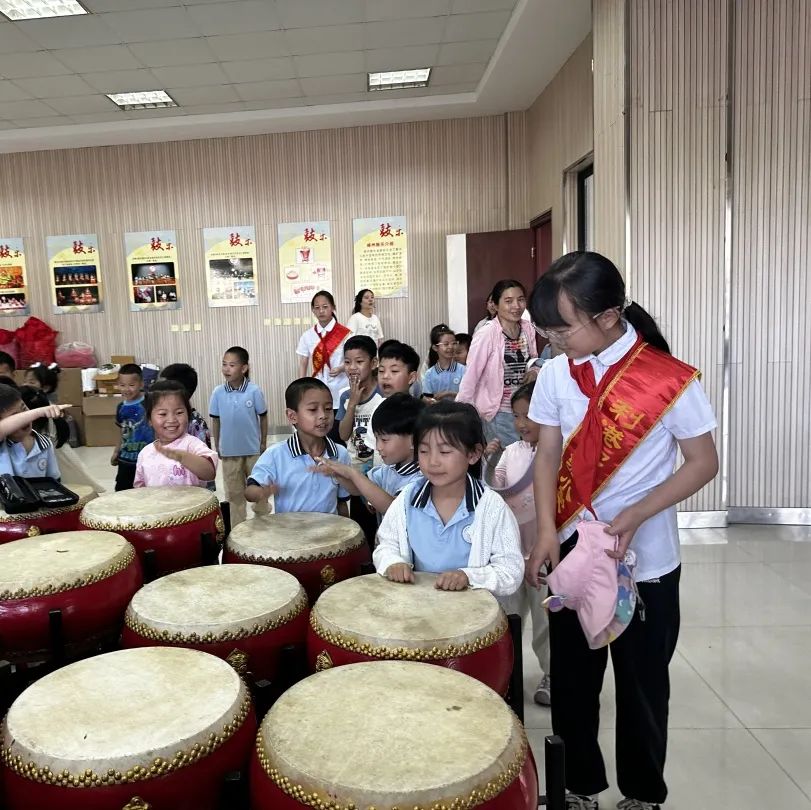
x,y
370,618
89,576
407,727
243,613
170,521
155,727
317,549
45,521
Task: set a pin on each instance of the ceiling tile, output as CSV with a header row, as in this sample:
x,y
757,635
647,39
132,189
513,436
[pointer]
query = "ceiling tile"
x,y
257,91
214,109
99,6
24,109
53,121
488,25
413,56
179,52
122,81
330,64
190,75
105,57
239,17
12,40
327,85
98,118
336,38
469,6
457,74
10,92
258,45
193,96
152,24
418,31
306,13
260,70
55,86
81,104
88,30
397,9
466,53
160,112
276,104
27,65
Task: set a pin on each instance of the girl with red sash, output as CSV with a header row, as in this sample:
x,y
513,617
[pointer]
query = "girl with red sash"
x,y
614,408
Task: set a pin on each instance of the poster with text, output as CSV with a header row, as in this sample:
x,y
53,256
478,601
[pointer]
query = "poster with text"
x,y
381,259
152,270
231,266
305,260
13,290
75,271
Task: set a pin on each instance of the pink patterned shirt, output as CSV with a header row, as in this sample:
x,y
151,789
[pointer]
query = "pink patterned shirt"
x,y
155,470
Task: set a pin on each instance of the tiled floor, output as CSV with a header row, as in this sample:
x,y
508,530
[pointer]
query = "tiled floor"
x,y
740,726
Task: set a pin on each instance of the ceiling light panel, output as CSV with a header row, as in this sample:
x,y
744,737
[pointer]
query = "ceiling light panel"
x,y
146,100
37,9
399,79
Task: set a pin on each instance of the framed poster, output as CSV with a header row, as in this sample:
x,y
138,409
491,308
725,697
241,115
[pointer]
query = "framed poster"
x,y
305,260
231,266
152,270
13,286
381,256
75,272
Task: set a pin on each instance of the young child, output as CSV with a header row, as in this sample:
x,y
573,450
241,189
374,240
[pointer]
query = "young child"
x,y
24,451
441,380
451,524
285,470
240,428
130,416
46,378
397,368
613,409
175,458
7,365
512,479
462,347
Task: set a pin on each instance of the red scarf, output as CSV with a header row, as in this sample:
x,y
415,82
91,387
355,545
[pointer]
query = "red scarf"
x,y
328,342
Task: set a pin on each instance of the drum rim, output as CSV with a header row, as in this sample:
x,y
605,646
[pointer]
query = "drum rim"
x,y
24,517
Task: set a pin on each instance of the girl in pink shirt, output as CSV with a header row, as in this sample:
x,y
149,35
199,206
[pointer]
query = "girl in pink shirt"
x,y
175,458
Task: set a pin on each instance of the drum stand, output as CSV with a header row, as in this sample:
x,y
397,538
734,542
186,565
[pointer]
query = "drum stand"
x,y
515,690
554,754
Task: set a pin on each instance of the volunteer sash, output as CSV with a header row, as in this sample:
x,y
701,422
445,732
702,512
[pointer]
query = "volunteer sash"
x,y
328,342
633,395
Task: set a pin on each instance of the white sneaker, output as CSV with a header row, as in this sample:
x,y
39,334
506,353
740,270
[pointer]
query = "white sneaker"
x,y
543,692
635,804
574,802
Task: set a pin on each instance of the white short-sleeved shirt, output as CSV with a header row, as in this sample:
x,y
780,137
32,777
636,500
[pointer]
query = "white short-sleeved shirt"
x,y
558,402
306,346
359,324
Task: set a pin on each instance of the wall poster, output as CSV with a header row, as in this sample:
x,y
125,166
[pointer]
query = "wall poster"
x,y
75,273
381,258
305,260
13,288
152,270
231,266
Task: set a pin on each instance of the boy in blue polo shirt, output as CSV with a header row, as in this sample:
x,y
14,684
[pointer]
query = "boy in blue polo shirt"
x,y
239,422
286,469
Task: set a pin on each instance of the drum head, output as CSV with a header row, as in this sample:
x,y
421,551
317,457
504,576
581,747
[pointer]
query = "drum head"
x,y
372,615
391,734
50,563
148,508
109,719
215,602
84,492
295,537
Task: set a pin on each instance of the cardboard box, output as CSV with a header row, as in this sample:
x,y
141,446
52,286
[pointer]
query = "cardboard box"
x,y
100,429
78,417
107,387
122,359
70,384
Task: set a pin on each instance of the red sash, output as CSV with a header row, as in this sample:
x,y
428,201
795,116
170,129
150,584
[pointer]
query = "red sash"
x,y
327,344
633,395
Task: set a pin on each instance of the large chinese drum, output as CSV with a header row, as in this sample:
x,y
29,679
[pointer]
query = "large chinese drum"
x,y
157,727
244,613
317,549
392,734
45,521
88,576
170,522
370,618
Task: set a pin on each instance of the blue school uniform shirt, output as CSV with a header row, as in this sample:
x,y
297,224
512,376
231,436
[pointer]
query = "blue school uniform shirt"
x,y
436,379
300,489
39,461
136,432
438,546
238,410
392,478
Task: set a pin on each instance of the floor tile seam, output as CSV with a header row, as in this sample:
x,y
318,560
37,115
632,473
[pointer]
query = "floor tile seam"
x,y
778,763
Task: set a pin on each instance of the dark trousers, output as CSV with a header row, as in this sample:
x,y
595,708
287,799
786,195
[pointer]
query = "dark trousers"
x,y
124,476
640,657
367,520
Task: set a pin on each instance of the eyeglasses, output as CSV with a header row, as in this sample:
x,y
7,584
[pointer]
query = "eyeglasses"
x,y
448,345
556,336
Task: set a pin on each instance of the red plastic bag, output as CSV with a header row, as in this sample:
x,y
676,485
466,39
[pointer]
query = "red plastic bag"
x,y
37,342
9,345
75,355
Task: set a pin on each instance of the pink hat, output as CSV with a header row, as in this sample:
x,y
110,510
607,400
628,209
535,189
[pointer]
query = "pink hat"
x,y
599,588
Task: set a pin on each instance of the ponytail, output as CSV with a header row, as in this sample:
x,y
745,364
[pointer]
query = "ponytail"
x,y
644,323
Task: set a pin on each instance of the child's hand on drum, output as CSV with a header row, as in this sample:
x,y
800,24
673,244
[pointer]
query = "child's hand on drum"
x,y
452,581
400,572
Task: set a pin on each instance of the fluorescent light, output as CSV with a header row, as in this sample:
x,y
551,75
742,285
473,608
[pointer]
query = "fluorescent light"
x,y
399,79
36,9
147,100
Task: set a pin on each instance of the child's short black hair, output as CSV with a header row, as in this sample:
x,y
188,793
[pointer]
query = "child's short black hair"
x,y
35,398
397,415
240,353
10,381
459,424
182,373
463,339
362,342
7,360
9,396
131,368
397,350
46,376
296,390
161,389
523,392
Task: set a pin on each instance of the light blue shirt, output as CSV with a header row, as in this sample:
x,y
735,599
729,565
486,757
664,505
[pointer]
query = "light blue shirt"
x,y
300,489
238,410
392,478
438,546
38,462
436,379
